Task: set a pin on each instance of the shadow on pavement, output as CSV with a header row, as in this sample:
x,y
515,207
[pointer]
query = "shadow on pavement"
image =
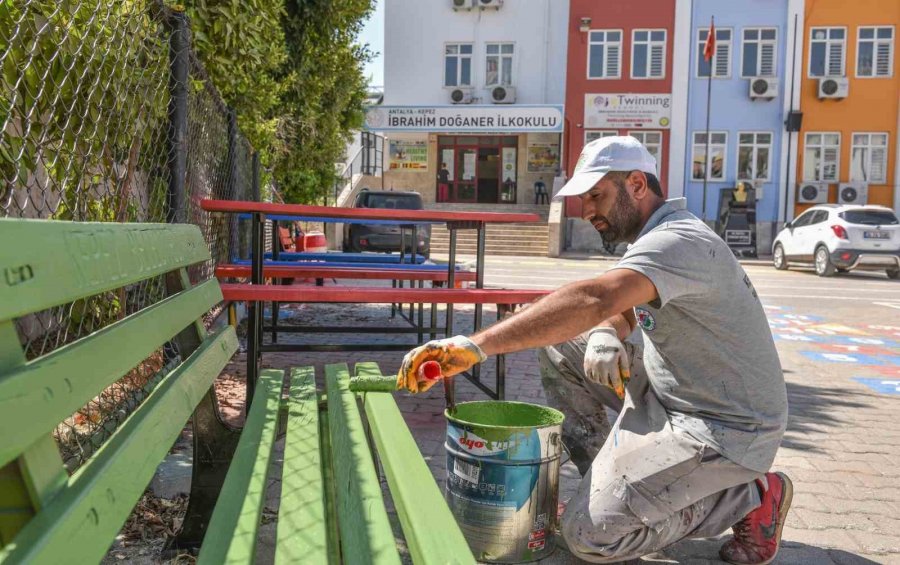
x,y
811,408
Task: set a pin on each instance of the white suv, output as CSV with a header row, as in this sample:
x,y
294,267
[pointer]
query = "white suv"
x,y
836,237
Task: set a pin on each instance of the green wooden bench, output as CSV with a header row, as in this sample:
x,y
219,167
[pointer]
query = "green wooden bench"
x,y
331,506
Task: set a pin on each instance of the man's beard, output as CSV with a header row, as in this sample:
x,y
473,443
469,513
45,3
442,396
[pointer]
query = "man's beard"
x,y
624,220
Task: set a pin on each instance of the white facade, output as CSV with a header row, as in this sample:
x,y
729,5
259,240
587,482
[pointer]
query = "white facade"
x,y
417,32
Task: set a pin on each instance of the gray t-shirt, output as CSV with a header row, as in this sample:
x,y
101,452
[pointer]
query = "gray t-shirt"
x,y
708,350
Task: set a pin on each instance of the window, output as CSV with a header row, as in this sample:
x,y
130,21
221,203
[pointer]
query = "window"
x,y
499,64
821,157
715,167
758,52
652,140
826,51
818,217
721,60
870,217
590,135
804,219
605,54
753,155
458,64
648,53
875,52
868,157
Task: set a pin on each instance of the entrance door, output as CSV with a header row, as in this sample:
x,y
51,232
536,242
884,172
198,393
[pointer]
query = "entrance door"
x,y
488,175
481,169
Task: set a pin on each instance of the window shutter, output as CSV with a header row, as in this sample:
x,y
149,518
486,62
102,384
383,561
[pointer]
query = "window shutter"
x,y
835,59
879,164
767,60
657,61
612,60
829,163
723,54
883,59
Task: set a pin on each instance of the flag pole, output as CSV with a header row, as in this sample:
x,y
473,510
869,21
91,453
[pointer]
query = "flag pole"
x,y
707,165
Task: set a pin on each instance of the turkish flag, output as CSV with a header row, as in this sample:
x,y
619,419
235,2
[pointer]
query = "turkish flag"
x,y
710,48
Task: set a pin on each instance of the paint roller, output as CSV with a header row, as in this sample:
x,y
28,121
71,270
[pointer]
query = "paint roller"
x,y
428,371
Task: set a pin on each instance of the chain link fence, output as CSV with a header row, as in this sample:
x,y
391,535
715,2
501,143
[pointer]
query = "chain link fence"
x,y
108,116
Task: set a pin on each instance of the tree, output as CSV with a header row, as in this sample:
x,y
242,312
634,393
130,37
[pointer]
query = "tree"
x,y
324,92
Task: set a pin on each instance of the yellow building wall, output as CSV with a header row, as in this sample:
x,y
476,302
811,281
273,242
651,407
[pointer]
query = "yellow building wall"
x,y
872,104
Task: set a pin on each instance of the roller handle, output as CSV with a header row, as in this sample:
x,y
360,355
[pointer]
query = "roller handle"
x,y
429,371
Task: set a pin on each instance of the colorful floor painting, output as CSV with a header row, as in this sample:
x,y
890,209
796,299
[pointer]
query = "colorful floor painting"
x,y
873,350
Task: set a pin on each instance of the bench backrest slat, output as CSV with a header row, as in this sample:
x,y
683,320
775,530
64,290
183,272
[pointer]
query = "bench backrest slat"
x,y
365,530
51,388
431,532
45,263
302,516
232,532
78,524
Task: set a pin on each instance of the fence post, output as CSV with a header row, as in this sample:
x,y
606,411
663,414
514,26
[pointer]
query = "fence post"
x,y
231,182
255,186
179,68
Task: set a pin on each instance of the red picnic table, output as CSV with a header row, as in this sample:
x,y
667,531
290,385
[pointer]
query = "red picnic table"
x,y
407,219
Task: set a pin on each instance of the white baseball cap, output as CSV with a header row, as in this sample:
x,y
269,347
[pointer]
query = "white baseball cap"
x,y
613,153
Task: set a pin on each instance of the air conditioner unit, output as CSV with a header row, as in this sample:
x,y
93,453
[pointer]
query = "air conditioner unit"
x,y
833,87
489,4
461,96
461,4
763,88
853,193
812,192
503,94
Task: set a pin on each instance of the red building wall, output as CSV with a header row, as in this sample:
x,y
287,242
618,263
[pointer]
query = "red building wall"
x,y
625,16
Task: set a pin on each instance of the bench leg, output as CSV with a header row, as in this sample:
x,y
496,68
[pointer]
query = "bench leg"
x,y
275,307
214,444
421,318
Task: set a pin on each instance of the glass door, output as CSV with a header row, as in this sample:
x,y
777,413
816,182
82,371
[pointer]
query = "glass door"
x,y
464,188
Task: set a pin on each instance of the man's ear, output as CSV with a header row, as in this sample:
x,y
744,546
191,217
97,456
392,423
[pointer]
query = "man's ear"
x,y
639,182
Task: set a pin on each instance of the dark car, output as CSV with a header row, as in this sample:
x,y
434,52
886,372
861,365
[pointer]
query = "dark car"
x,y
385,237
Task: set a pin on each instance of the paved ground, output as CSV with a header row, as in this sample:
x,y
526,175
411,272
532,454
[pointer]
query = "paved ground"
x,y
839,341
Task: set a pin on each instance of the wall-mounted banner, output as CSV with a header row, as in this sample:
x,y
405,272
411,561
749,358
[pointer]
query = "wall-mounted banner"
x,y
408,155
651,111
543,157
465,118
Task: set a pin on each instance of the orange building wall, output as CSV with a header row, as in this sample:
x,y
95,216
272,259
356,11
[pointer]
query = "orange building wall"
x,y
872,104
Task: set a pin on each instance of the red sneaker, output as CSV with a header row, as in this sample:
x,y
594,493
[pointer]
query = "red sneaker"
x,y
758,535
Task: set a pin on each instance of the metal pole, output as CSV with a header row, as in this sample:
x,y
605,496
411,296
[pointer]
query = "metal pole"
x,y
706,163
479,283
787,172
179,65
451,280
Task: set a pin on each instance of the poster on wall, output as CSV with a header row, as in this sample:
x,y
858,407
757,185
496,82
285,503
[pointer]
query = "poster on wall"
x,y
468,166
543,157
618,111
408,155
509,164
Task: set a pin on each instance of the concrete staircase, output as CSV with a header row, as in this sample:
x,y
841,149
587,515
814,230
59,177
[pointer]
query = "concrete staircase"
x,y
502,239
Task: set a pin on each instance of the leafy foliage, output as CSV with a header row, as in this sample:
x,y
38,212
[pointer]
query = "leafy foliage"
x,y
293,72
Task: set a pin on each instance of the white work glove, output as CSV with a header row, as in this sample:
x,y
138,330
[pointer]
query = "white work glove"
x,y
605,360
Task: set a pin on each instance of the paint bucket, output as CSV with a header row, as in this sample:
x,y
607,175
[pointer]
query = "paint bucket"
x,y
314,242
503,478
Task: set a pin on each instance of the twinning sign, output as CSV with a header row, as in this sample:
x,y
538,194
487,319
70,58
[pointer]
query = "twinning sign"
x,y
615,111
466,118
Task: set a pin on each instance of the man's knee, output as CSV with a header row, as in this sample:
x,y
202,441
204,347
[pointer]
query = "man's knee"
x,y
591,542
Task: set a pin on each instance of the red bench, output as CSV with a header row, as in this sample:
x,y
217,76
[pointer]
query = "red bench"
x,y
505,300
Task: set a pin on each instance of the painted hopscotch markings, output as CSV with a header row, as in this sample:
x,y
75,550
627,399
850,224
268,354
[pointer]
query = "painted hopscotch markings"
x,y
880,385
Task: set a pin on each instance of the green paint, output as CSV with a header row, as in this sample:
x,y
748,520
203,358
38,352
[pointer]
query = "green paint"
x,y
428,525
373,384
232,532
494,420
50,388
58,262
366,535
302,523
79,524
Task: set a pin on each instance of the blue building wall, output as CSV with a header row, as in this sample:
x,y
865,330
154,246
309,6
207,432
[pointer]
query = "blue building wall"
x,y
733,110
